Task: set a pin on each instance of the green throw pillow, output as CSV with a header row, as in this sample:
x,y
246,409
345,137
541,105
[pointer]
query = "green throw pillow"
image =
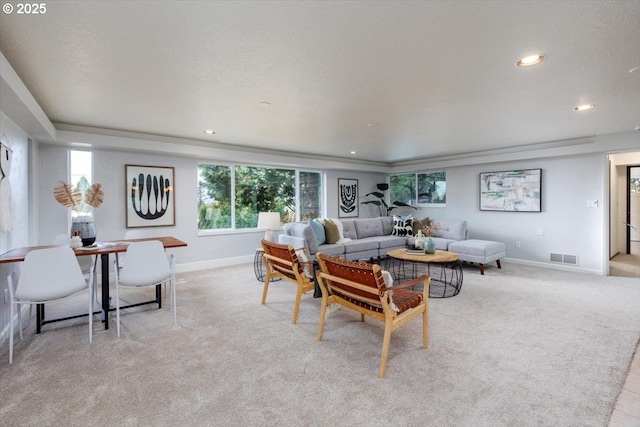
x,y
331,231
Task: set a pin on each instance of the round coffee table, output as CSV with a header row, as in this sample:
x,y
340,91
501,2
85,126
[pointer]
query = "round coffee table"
x,y
446,280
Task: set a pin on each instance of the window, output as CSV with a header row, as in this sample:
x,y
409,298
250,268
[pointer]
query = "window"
x,y
310,189
424,188
432,188
403,188
230,197
80,165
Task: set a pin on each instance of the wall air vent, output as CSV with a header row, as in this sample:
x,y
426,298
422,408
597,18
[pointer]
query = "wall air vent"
x,y
556,257
564,258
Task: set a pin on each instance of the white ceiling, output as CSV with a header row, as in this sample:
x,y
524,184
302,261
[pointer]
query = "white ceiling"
x,y
391,80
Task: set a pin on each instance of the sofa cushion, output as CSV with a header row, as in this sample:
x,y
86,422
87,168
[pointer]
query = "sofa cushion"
x,y
369,227
387,225
332,249
331,231
318,228
360,245
349,228
391,241
402,225
450,229
304,230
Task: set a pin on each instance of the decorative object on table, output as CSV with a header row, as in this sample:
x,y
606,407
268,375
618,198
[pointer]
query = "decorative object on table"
x,y
432,189
5,188
428,230
430,246
347,198
511,191
81,199
269,221
419,242
381,203
75,242
150,196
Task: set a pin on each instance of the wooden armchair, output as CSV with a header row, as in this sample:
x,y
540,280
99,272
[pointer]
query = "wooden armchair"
x,y
361,287
281,261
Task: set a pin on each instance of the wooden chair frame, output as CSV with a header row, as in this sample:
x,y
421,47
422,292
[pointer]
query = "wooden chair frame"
x,y
370,299
281,261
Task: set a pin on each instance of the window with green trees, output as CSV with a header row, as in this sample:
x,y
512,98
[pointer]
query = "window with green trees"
x,y
230,197
424,188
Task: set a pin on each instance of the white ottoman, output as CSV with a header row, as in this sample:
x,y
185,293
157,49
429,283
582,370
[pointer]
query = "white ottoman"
x,y
480,251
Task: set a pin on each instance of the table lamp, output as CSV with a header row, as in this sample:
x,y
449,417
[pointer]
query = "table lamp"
x,y
268,221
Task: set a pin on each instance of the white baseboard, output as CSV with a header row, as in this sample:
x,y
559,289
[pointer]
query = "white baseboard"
x,y
554,266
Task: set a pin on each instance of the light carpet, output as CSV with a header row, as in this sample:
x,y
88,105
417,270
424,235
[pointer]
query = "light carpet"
x,y
518,346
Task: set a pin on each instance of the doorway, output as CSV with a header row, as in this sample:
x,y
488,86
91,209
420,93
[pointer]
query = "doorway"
x,y
633,210
624,208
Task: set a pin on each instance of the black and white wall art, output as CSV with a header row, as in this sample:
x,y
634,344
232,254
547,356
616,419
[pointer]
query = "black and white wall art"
x,y
150,196
347,198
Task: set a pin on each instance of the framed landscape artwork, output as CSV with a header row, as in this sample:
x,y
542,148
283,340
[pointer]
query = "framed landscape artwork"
x,y
347,198
511,191
150,196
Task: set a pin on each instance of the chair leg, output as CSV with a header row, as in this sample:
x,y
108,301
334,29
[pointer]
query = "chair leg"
x,y
12,313
498,262
385,349
174,304
20,319
91,313
265,289
482,269
297,306
323,313
118,309
425,329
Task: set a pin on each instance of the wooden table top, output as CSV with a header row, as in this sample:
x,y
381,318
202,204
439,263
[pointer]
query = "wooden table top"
x,y
18,254
438,256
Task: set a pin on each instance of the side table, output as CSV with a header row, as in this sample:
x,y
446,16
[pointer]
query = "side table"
x,y
258,266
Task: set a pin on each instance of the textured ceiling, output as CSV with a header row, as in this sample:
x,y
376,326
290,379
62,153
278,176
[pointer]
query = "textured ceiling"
x,y
391,80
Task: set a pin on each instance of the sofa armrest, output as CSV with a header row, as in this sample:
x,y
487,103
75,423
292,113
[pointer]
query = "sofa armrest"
x,y
296,242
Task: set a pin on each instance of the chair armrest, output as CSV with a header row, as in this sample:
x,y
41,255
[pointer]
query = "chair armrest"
x,y
410,283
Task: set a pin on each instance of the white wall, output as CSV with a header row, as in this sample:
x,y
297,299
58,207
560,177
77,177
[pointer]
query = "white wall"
x,y
202,251
569,227
18,235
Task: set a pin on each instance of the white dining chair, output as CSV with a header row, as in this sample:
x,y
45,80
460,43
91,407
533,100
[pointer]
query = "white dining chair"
x,y
147,265
88,264
47,275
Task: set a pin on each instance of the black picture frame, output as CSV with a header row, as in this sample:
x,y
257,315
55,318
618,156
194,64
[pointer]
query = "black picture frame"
x,y
150,196
347,198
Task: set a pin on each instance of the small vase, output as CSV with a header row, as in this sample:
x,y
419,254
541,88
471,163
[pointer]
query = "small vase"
x,y
84,225
430,246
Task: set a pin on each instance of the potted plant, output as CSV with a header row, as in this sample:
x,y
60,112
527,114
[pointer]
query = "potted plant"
x,y
81,199
385,209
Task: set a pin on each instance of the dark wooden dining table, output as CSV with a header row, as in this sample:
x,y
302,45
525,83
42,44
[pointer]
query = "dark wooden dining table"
x,y
102,249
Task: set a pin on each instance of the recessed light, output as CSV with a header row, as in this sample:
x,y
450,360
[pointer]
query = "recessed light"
x,y
265,104
352,152
530,60
209,132
634,69
583,107
373,125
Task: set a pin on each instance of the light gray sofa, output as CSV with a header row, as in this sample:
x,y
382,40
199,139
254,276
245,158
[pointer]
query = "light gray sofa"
x,y
370,238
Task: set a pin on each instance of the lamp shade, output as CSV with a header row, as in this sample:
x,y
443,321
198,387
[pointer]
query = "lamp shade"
x,y
268,221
